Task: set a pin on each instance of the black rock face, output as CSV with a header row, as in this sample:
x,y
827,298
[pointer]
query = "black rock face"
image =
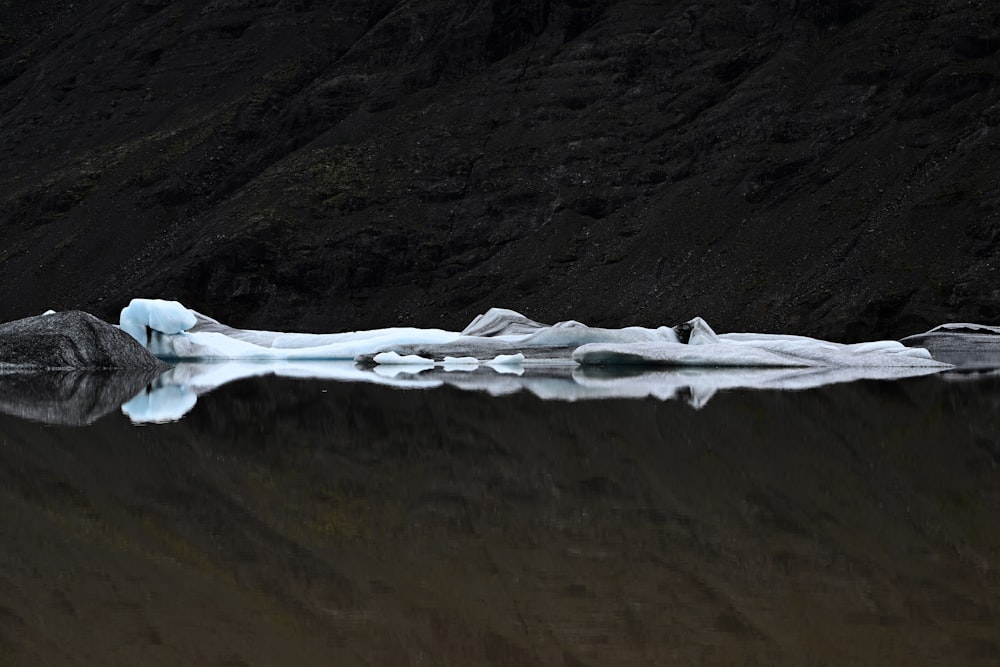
x,y
70,340
823,167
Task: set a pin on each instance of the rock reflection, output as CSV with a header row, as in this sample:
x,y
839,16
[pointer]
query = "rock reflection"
x,y
68,397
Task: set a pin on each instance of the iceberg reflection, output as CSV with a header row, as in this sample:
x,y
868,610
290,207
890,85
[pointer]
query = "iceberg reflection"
x,y
175,393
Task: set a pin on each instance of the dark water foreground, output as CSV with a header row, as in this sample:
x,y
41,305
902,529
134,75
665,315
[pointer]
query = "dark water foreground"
x,y
288,522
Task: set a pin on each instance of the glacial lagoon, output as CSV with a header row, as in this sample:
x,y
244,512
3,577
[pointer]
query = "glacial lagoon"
x,y
476,517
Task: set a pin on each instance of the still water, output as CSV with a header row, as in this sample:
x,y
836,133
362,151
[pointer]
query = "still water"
x,y
287,521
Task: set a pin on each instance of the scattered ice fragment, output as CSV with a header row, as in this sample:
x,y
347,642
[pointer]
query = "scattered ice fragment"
x,y
49,312
506,360
392,358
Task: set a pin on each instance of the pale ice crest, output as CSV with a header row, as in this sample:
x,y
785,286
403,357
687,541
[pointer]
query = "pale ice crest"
x,y
143,316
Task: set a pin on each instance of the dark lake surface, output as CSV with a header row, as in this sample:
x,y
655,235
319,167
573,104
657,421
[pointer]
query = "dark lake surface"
x,y
296,522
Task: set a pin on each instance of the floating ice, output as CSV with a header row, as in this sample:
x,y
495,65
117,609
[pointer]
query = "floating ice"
x,y
966,345
742,350
759,354
142,315
506,360
500,337
208,339
391,358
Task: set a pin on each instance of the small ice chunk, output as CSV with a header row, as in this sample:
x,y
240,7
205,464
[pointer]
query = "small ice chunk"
x,y
395,359
49,312
506,360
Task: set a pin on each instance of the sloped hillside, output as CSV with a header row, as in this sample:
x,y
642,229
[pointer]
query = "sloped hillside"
x,y
812,166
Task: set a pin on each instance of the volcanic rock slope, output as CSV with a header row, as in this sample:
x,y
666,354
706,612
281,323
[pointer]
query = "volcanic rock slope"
x,y
821,167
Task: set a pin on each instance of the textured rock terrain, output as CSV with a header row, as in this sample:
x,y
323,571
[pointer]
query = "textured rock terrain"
x,y
71,340
825,167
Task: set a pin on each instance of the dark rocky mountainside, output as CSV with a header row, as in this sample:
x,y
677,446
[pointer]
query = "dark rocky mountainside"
x,y
812,166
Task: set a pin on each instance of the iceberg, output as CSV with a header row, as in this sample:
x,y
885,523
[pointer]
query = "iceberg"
x,y
760,351
203,338
393,359
963,344
141,316
501,337
506,360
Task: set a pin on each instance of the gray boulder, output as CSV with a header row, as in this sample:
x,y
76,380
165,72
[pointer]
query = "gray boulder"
x,y
70,340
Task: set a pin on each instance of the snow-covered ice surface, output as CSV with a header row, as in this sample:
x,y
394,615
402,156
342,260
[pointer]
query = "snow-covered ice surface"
x,y
749,350
962,344
155,324
502,336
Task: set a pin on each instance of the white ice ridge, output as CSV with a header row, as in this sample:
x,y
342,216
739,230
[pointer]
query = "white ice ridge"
x,y
502,337
200,338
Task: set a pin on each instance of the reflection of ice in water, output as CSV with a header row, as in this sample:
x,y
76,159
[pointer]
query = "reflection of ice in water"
x,y
160,404
175,393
